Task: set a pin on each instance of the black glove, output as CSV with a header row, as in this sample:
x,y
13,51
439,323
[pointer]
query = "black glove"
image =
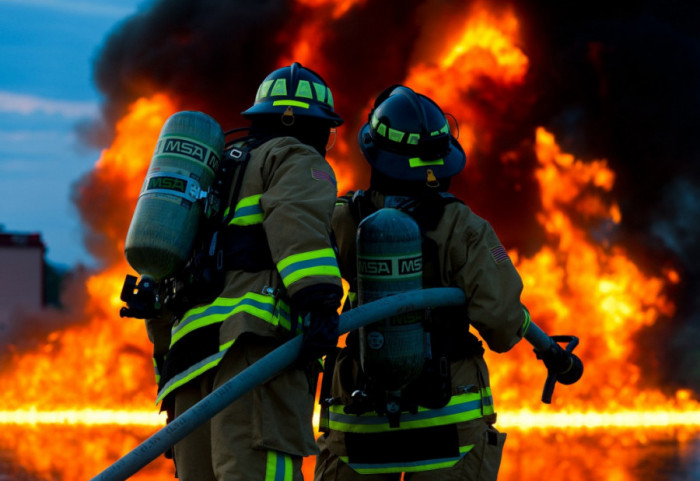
x,y
318,311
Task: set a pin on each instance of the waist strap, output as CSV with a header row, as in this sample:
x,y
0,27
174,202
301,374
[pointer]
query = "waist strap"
x,y
461,408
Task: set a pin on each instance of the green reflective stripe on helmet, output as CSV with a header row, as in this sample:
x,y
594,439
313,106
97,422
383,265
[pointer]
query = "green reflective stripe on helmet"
x,y
192,372
321,262
304,90
374,121
322,92
395,135
293,103
444,130
279,87
264,89
461,408
418,162
248,211
329,97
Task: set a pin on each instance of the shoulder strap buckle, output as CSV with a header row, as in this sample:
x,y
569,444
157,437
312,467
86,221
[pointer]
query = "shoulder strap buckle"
x,y
236,154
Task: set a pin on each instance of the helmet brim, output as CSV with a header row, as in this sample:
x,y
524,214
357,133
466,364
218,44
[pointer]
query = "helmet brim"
x,y
314,112
398,166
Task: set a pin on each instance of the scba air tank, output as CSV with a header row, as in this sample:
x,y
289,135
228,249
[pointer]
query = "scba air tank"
x,y
170,207
389,261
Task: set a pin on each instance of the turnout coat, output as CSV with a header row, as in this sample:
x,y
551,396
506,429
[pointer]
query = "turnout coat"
x,y
277,241
460,249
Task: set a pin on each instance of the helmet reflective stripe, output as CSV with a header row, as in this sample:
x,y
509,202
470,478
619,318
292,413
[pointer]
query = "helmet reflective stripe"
x,y
293,103
264,88
279,87
418,162
444,130
329,98
397,136
323,93
304,91
294,84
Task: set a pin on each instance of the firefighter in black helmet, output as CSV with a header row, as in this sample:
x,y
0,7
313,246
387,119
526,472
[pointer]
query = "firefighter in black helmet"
x,y
280,279
407,142
445,428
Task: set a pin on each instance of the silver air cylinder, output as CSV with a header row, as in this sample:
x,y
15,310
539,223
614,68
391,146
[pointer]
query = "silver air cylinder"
x,y
389,261
169,210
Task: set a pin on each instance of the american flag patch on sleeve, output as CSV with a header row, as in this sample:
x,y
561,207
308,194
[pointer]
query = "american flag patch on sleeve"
x,y
317,174
499,254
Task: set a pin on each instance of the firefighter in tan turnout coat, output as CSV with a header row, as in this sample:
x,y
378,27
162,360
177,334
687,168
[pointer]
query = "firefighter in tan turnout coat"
x,y
450,436
281,279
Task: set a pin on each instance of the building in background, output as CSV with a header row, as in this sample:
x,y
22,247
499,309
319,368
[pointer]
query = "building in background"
x,y
22,274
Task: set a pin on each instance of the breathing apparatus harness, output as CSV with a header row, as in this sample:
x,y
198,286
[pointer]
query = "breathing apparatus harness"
x,y
447,331
218,246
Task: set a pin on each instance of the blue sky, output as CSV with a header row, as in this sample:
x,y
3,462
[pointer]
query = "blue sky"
x,y
46,52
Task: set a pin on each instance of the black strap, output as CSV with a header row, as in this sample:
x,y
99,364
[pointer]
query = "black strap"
x,y
238,156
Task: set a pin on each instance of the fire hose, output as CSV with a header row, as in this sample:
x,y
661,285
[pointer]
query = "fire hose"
x,y
562,366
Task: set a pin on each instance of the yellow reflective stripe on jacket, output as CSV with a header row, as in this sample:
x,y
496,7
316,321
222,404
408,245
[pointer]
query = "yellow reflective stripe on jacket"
x,y
526,322
409,466
248,211
461,408
321,262
259,305
192,372
279,467
156,370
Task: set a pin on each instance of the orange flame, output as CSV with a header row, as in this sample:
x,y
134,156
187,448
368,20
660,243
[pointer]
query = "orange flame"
x,y
575,286
486,46
100,373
